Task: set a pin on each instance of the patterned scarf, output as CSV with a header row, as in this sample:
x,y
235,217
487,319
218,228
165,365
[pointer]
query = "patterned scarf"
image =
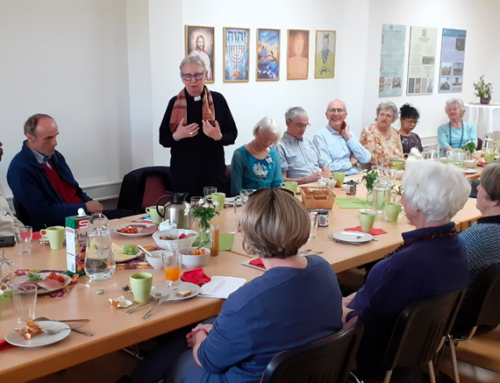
x,y
179,111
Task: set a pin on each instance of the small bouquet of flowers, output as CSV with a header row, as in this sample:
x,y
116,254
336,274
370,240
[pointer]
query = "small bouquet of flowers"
x,y
204,212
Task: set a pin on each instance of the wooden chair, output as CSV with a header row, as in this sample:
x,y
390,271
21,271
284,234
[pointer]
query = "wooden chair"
x,y
324,361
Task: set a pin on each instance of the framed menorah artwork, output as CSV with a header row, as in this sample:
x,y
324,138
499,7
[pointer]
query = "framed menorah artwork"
x,y
268,55
297,63
236,54
324,63
200,41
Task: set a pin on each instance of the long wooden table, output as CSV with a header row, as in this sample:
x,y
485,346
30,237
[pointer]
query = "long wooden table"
x,y
115,330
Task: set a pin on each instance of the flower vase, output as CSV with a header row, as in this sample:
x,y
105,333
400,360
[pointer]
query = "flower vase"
x,y
204,234
484,101
369,196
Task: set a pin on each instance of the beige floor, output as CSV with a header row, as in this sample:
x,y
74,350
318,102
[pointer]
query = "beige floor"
x,y
107,369
470,373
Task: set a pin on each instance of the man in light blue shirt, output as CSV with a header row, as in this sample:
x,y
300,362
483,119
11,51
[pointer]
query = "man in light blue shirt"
x,y
339,148
300,159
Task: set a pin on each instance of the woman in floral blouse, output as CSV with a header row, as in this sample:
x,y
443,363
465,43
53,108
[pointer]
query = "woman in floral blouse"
x,y
380,139
409,120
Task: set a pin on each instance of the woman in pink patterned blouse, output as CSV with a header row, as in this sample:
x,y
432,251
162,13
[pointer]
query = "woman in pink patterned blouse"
x,y
380,138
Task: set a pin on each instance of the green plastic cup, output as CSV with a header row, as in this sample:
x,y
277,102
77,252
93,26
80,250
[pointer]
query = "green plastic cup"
x,y
220,198
153,213
489,157
392,210
55,235
141,284
366,220
339,177
290,185
398,165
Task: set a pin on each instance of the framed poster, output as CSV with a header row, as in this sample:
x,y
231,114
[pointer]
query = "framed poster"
x,y
451,71
422,61
200,41
392,59
297,64
268,55
324,61
236,54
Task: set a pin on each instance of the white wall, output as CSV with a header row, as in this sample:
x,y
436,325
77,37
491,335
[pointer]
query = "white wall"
x,y
105,69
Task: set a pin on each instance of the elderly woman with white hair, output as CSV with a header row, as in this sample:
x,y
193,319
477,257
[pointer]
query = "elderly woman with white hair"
x,y
256,165
380,138
196,126
431,261
456,133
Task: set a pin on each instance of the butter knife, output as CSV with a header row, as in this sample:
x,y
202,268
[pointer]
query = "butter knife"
x,y
76,329
134,309
164,299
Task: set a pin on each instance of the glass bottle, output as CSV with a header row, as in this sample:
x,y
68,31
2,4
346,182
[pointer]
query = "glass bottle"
x,y
99,258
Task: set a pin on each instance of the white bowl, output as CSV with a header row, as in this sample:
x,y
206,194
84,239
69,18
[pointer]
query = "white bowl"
x,y
332,183
470,164
174,244
156,260
190,260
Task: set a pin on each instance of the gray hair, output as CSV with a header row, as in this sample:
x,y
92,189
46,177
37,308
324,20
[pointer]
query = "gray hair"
x,y
296,111
457,101
268,124
192,59
388,105
490,181
439,191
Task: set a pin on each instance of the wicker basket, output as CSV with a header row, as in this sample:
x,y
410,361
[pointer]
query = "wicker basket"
x,y
321,197
174,244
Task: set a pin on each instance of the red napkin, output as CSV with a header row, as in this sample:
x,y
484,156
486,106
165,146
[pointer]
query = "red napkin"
x,y
5,346
257,262
372,232
36,236
482,163
196,276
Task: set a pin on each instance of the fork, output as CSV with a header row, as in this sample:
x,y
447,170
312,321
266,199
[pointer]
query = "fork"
x,y
163,299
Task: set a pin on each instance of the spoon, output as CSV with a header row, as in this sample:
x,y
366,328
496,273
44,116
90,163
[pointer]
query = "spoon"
x,y
143,249
202,244
76,329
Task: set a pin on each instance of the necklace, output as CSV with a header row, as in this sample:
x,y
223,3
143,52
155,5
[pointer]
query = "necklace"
x,y
255,150
461,138
449,234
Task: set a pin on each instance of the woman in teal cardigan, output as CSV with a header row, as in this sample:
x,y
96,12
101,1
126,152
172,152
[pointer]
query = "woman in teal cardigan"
x,y
256,165
456,133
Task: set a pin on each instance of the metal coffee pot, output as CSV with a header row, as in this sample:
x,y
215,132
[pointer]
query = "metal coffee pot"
x,y
177,211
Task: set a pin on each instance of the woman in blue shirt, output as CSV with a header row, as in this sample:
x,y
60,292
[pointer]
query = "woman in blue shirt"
x,y
296,301
456,133
257,165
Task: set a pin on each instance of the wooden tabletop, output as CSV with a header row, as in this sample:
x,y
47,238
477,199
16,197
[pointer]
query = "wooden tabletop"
x,y
114,329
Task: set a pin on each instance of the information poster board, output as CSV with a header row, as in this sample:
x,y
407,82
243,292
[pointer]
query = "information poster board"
x,y
451,71
392,56
421,61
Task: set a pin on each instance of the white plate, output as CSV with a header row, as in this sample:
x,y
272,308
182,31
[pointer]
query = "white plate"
x,y
469,171
39,340
352,236
143,225
163,290
229,201
126,257
24,278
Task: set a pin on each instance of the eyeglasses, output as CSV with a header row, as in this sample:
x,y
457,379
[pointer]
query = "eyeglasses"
x,y
335,110
411,122
190,76
301,125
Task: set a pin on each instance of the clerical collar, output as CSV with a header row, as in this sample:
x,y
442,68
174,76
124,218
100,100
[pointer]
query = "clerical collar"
x,y
197,98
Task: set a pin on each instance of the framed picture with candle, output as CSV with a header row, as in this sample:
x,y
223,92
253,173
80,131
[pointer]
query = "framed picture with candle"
x,y
236,54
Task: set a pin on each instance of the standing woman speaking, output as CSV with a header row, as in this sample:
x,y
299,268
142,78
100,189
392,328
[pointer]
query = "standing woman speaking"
x,y
196,126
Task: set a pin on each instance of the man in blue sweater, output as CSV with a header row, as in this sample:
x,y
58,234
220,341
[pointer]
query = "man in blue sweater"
x,y
41,180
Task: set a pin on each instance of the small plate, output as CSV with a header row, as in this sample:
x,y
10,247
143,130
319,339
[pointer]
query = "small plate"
x,y
229,201
145,229
163,290
126,257
352,236
16,339
40,291
469,171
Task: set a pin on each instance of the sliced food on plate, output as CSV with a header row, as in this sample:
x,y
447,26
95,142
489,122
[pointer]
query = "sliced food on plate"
x,y
136,229
45,282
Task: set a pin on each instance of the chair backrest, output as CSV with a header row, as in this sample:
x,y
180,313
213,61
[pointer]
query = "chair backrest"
x,y
143,187
21,213
479,144
420,329
326,360
483,308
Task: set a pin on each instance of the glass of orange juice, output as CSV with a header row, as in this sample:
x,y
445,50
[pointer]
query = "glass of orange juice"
x,y
171,266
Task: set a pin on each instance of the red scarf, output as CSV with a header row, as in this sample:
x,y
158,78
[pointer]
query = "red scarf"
x,y
179,111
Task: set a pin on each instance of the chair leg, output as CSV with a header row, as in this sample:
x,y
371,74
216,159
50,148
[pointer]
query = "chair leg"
x,y
454,363
432,377
387,377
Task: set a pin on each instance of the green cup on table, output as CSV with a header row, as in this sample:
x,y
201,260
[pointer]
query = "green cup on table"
x,y
153,213
366,220
55,235
339,177
220,198
489,157
398,165
392,210
141,284
290,185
